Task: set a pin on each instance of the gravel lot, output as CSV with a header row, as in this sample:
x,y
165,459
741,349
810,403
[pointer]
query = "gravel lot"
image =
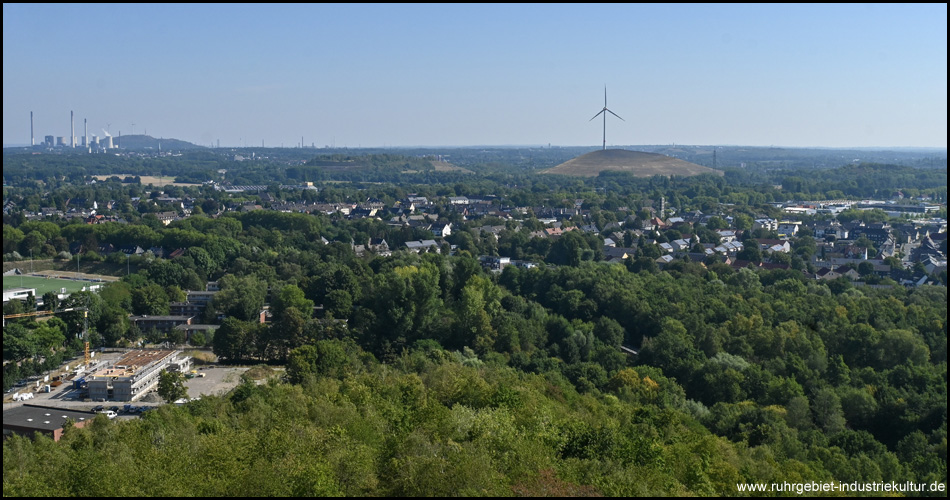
x,y
217,380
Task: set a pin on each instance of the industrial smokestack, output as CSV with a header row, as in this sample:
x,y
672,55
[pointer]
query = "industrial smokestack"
x,y
72,130
32,142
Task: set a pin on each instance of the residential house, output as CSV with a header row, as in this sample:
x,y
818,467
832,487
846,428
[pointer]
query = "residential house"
x,y
379,247
726,236
663,260
878,233
767,224
131,250
618,254
174,254
829,229
788,229
493,263
422,246
441,230
729,248
166,218
494,231
827,273
927,248
681,244
554,232
772,245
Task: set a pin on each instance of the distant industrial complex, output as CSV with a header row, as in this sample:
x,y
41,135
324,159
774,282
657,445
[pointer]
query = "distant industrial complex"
x,y
93,146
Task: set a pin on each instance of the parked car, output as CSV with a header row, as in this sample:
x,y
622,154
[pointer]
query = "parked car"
x,y
98,408
111,414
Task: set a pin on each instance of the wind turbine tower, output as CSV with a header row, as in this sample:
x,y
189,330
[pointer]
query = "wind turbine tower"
x,y
604,112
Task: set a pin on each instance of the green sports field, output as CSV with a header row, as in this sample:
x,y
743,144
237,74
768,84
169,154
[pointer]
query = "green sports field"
x,y
43,285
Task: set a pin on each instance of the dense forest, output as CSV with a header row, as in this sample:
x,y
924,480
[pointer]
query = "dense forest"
x,y
426,374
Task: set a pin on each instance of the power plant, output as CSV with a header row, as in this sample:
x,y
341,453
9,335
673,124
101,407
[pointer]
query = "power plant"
x,y
72,141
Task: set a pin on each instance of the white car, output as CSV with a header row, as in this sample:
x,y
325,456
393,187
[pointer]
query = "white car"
x,y
110,413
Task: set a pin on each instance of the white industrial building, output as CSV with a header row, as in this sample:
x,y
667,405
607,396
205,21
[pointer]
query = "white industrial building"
x,y
18,293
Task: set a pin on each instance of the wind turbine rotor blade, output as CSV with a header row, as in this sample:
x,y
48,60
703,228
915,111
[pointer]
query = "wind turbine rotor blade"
x,y
598,114
611,112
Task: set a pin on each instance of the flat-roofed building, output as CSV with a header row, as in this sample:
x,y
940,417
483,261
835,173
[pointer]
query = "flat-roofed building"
x,y
160,323
136,373
29,419
206,330
201,298
422,245
185,309
18,293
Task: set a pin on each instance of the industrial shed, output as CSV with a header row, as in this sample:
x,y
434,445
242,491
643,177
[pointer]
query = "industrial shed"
x,y
29,419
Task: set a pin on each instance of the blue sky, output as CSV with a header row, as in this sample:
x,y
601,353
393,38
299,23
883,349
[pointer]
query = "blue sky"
x,y
819,75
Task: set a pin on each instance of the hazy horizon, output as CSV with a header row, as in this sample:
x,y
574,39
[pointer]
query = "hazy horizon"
x,y
565,146
481,75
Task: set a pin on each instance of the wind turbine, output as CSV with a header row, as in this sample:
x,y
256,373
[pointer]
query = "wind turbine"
x,y
604,112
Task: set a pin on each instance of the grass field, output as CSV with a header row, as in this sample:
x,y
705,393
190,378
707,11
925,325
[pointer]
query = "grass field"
x,y
150,179
441,166
43,285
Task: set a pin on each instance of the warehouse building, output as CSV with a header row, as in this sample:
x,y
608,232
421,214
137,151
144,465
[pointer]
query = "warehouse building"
x,y
135,374
29,419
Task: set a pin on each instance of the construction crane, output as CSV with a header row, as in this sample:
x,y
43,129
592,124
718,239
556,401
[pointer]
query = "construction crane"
x,y
85,315
42,313
24,315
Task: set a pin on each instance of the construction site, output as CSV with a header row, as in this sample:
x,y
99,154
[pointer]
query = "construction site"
x,y
134,374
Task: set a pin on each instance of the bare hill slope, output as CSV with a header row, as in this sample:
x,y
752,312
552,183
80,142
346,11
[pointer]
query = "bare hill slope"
x,y
637,163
